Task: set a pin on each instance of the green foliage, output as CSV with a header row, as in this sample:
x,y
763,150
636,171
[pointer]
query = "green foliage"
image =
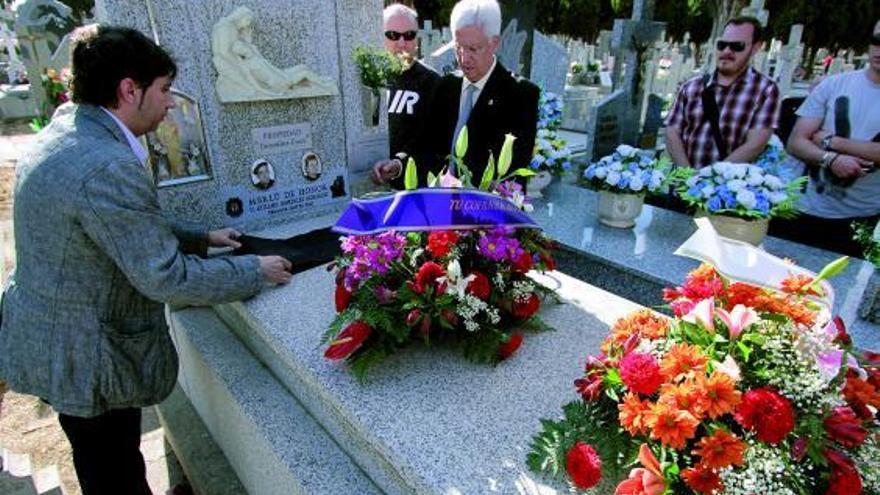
x,y
411,178
864,234
593,422
377,66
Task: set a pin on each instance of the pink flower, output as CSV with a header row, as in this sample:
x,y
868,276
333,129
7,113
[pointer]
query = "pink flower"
x,y
740,318
703,314
640,373
643,481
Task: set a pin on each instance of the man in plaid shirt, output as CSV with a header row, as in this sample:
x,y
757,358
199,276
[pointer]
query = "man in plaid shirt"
x,y
746,104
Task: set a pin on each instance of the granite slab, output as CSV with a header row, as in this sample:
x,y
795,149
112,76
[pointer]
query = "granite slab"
x,y
429,421
643,254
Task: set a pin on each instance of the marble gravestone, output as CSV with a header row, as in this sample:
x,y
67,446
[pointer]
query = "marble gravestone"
x,y
42,27
605,125
261,162
549,64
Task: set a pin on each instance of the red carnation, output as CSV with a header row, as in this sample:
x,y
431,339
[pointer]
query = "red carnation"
x,y
640,373
681,307
428,274
523,263
440,242
342,297
845,478
583,465
348,340
506,349
844,427
526,309
767,413
479,286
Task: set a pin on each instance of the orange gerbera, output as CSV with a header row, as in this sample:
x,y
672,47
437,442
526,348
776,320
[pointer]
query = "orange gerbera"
x,y
671,426
702,479
799,284
682,359
721,394
688,396
720,450
645,322
741,293
633,414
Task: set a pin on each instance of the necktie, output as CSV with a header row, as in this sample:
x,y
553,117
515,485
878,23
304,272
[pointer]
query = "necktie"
x,y
463,115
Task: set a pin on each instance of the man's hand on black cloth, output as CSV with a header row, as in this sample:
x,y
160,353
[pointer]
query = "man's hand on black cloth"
x,y
303,251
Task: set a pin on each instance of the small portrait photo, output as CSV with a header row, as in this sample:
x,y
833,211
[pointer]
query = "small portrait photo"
x,y
176,150
262,174
311,166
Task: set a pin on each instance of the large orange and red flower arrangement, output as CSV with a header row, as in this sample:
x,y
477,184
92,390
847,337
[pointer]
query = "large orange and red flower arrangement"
x,y
744,391
468,288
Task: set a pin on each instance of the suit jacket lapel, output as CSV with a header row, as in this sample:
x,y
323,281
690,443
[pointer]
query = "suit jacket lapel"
x,y
488,95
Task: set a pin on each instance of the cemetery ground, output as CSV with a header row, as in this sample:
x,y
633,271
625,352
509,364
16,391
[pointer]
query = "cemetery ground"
x,y
32,445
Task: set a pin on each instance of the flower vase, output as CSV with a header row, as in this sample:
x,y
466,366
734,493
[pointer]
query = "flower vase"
x,y
371,101
619,210
869,309
751,231
538,182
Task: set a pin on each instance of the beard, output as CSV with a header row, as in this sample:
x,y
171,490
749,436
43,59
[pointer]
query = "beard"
x,y
731,67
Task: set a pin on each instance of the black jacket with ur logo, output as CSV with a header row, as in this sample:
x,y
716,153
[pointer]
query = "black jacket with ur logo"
x,y
408,101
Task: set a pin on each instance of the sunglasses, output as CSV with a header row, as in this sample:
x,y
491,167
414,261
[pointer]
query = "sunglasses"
x,y
736,46
875,39
406,35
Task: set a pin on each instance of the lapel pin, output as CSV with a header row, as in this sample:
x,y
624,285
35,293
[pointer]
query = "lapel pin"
x,y
491,102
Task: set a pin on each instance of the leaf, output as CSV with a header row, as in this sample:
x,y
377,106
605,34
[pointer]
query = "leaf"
x,y
488,174
461,143
746,350
832,269
433,180
506,155
523,172
411,178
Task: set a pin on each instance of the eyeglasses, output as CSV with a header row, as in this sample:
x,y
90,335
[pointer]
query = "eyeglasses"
x,y
406,35
736,46
875,39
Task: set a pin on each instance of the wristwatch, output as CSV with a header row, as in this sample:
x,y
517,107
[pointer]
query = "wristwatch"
x,y
826,142
399,168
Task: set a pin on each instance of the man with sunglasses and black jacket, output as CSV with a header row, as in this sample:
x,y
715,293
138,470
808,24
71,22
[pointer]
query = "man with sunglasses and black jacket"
x,y
408,95
837,135
728,115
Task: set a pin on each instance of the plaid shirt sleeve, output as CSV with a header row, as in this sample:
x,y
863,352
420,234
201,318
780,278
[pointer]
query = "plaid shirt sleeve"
x,y
676,115
767,115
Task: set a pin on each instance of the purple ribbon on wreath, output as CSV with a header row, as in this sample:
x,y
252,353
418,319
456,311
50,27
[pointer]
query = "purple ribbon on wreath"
x,y
431,209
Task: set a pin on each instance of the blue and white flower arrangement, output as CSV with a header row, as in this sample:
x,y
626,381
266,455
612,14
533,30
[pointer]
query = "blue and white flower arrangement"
x,y
551,152
738,189
549,111
628,170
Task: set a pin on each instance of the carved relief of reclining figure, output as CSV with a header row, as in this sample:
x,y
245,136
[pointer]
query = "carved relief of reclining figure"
x,y
243,74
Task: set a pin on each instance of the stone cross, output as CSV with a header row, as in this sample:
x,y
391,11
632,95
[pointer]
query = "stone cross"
x,y
430,39
632,43
15,68
789,58
41,27
756,9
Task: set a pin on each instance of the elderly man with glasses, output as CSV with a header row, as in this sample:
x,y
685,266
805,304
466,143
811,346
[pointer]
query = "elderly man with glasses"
x,y
484,96
730,114
407,96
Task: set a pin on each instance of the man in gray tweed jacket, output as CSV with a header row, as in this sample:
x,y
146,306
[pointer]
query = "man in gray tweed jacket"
x,y
83,325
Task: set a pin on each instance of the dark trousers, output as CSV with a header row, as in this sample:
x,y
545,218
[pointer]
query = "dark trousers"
x,y
106,452
832,234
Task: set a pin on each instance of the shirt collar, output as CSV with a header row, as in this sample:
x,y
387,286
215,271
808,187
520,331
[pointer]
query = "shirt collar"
x,y
133,142
747,75
482,82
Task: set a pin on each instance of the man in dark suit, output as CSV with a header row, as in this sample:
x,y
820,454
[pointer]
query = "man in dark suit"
x,y
485,96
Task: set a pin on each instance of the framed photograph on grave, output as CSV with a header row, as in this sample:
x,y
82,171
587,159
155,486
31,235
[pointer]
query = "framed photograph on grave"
x,y
177,151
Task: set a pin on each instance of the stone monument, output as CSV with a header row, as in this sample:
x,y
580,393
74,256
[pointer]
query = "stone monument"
x,y
247,117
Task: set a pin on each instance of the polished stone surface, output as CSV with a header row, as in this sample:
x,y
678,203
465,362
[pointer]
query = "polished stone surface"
x,y
638,261
428,420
